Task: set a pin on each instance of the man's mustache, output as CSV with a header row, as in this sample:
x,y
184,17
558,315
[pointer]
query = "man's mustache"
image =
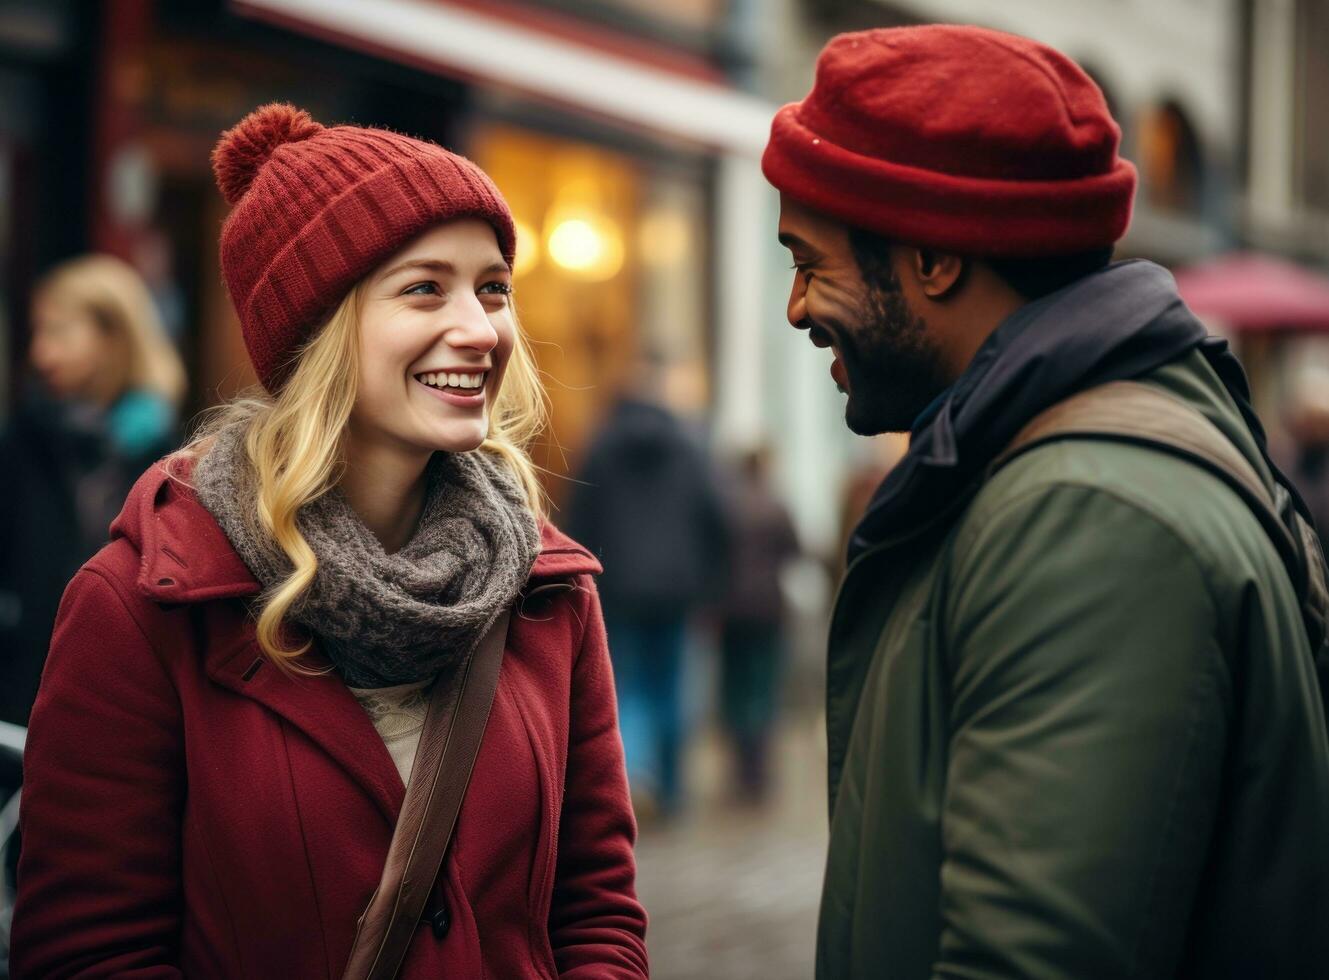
x,y
819,335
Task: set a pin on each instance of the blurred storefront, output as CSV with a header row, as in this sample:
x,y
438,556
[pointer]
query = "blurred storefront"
x,y
627,154
45,74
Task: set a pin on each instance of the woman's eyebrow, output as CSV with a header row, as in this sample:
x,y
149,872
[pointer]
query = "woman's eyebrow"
x,y
433,265
441,267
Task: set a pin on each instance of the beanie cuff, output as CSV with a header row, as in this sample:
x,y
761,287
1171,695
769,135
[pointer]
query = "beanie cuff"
x,y
965,215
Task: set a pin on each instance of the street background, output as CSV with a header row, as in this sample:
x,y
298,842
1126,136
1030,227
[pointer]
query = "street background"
x,y
626,136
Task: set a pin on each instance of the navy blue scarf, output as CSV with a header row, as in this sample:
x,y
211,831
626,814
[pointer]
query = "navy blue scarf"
x,y
1115,325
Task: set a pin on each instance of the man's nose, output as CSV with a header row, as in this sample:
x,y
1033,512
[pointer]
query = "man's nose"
x,y
797,308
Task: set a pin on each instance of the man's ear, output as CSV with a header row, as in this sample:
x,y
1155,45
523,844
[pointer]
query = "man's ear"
x,y
939,274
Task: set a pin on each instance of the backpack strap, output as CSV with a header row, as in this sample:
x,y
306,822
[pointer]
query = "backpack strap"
x,y
1138,414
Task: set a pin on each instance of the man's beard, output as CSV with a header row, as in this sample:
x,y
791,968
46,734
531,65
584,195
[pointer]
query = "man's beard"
x,y
894,368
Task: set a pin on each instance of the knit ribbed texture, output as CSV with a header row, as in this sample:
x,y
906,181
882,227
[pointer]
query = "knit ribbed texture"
x,y
321,211
387,619
959,138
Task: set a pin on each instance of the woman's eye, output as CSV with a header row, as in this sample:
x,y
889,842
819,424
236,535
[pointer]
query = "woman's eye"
x,y
422,289
497,288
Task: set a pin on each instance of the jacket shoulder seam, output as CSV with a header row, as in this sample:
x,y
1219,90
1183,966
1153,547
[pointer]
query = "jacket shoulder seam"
x,y
1204,577
1142,504
116,589
583,583
1137,506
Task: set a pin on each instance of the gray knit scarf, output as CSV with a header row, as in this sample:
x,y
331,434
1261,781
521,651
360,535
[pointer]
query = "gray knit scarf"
x,y
386,619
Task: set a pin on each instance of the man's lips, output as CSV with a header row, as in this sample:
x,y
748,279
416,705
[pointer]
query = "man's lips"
x,y
838,374
823,339
818,336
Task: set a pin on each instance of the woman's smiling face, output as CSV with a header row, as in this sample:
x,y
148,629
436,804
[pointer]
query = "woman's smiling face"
x,y
436,332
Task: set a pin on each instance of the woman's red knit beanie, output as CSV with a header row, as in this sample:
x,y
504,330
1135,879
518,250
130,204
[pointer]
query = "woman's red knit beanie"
x,y
959,138
317,208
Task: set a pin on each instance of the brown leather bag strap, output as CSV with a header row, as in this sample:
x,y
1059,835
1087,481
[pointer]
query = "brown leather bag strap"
x,y
1129,411
440,773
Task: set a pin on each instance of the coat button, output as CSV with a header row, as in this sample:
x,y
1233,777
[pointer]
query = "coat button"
x,y
440,922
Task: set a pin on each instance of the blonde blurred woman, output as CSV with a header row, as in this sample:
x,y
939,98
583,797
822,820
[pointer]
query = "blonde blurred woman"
x,y
233,710
97,339
110,386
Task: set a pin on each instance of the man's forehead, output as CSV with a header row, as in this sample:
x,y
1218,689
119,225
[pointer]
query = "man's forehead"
x,y
804,227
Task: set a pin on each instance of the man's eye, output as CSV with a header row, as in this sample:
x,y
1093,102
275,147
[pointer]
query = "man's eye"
x,y
497,288
421,289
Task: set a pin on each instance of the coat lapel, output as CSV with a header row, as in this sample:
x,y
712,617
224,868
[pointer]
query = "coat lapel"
x,y
319,706
188,559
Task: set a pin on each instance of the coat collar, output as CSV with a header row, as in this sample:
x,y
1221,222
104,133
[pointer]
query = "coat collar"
x,y
318,705
186,557
1113,325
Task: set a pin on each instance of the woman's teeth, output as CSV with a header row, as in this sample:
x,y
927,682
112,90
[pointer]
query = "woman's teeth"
x,y
449,380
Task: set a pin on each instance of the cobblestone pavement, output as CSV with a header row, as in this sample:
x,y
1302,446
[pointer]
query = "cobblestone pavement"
x,y
732,891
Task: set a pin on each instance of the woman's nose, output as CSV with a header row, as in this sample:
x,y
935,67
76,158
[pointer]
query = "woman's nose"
x,y
471,328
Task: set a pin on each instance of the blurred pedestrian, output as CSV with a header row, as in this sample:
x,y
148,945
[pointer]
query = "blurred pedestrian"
x,y
1306,419
875,458
763,542
262,692
109,386
646,501
1073,717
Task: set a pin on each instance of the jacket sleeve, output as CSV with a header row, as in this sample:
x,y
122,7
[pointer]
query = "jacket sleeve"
x,y
597,928
99,874
1090,708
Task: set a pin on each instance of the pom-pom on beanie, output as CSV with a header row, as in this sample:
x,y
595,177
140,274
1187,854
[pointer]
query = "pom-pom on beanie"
x,y
958,138
316,208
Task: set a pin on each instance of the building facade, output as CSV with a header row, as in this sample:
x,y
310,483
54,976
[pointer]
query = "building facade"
x,y
627,135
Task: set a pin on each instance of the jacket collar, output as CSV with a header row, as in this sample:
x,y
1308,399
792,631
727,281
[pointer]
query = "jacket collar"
x,y
186,557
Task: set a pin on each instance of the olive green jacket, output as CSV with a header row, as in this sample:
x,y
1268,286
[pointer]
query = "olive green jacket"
x,y
1075,731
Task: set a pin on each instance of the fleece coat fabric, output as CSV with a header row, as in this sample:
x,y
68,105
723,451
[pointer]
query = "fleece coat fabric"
x,y
190,810
959,138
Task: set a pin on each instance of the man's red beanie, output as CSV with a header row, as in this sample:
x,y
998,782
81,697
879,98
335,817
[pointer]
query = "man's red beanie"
x,y
317,208
959,138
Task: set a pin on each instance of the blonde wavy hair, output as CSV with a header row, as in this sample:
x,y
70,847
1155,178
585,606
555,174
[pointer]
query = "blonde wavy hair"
x,y
294,443
113,293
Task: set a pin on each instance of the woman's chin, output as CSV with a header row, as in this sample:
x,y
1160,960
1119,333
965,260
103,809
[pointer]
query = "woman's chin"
x,y
458,439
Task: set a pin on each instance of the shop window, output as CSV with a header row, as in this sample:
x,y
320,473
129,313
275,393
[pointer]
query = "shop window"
x,y
1170,158
609,263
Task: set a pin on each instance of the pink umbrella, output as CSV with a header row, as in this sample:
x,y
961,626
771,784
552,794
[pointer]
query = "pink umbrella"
x,y
1257,292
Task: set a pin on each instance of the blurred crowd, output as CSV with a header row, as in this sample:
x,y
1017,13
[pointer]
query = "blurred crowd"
x,y
695,547
100,405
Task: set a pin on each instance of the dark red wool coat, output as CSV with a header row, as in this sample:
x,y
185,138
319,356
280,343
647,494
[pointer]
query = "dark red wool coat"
x,y
189,809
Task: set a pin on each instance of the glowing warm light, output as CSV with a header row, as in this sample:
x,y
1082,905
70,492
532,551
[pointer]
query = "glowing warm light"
x,y
528,248
587,246
664,237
